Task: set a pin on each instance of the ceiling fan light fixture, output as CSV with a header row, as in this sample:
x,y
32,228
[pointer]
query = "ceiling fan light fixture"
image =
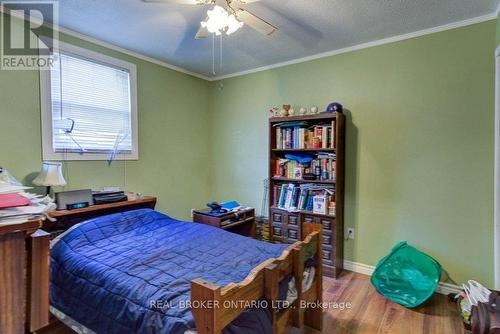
x,y
219,21
233,24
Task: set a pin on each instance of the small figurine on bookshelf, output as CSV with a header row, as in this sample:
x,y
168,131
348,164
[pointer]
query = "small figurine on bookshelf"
x,y
275,111
334,107
287,110
284,110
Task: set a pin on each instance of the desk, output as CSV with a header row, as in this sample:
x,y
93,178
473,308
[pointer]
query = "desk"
x,y
66,218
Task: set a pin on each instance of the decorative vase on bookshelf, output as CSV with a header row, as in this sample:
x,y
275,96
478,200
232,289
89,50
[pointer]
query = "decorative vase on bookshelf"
x,y
306,167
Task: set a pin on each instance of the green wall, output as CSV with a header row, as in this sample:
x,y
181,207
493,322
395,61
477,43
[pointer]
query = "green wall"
x,y
498,29
172,136
419,142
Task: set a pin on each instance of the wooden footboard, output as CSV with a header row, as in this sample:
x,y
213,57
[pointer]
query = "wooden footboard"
x,y
214,307
313,298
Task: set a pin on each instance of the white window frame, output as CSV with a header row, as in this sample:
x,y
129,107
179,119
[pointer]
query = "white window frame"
x,y
48,152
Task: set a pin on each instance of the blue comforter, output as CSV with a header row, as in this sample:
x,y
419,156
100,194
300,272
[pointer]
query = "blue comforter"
x,y
130,272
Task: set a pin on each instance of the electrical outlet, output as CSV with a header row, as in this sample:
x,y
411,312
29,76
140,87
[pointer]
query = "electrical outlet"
x,y
350,233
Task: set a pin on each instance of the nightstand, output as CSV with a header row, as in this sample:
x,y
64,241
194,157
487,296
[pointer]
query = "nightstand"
x,y
240,222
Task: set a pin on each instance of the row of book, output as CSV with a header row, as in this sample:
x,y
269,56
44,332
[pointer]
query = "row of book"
x,y
294,197
299,136
322,167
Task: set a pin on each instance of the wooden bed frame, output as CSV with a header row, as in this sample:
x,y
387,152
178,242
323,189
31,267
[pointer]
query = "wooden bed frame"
x,y
261,283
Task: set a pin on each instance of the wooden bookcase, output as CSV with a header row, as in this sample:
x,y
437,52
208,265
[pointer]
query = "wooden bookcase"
x,y
286,226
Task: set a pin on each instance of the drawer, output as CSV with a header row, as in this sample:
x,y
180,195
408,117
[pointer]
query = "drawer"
x,y
277,231
326,240
309,219
327,256
293,234
293,220
327,224
277,217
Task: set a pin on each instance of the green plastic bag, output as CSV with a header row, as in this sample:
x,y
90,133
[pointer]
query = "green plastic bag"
x,y
406,276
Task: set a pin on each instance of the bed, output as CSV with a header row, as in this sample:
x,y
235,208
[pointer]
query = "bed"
x,y
144,272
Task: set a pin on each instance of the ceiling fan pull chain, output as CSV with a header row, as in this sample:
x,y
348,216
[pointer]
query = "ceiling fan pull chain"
x,y
220,55
213,55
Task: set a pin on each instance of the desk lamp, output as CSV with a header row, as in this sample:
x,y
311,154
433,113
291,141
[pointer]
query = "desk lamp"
x,y
50,176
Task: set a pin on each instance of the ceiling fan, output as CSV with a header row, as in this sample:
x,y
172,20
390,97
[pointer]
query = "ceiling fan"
x,y
225,17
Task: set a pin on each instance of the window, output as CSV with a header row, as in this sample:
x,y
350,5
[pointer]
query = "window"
x,y
89,108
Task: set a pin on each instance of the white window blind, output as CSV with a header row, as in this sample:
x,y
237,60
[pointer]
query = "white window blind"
x,y
95,100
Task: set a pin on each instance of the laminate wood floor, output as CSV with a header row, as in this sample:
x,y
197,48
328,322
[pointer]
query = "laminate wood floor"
x,y
372,313
368,313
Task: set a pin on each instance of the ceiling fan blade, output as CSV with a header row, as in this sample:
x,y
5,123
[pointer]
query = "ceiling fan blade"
x,y
202,33
247,1
255,22
180,2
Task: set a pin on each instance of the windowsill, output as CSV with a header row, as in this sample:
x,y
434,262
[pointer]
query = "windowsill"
x,y
50,156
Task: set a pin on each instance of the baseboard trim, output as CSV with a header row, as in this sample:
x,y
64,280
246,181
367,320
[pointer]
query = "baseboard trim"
x,y
447,288
366,269
357,267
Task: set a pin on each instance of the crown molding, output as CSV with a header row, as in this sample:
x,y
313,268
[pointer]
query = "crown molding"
x,y
393,39
383,41
107,45
134,54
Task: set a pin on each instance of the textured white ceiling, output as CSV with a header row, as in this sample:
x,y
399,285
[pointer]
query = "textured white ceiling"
x,y
306,27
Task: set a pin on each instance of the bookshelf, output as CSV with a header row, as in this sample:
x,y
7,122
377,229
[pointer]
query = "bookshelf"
x,y
318,141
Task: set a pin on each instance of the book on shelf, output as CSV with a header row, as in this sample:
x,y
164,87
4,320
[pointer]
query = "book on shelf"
x,y
293,197
322,166
298,135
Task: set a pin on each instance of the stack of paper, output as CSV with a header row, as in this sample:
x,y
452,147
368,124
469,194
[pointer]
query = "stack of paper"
x,y
7,188
39,205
